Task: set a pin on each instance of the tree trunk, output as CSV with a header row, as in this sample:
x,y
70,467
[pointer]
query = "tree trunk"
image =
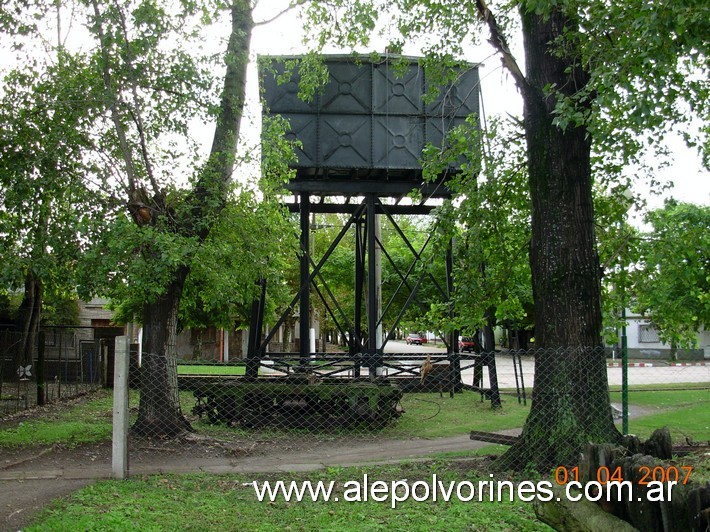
x,y
29,315
197,337
570,403
159,412
288,325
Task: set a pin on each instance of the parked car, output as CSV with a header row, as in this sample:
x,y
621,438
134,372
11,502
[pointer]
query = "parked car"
x,y
415,339
467,343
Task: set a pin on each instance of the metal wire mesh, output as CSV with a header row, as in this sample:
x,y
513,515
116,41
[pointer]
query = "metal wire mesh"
x,y
61,363
392,394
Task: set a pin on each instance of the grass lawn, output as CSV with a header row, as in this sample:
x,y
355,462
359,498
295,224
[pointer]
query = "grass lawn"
x,y
211,502
684,412
426,416
207,369
201,502
82,422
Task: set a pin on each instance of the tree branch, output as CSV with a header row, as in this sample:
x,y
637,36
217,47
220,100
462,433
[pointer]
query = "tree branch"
x,y
209,195
296,3
617,251
500,43
111,94
135,112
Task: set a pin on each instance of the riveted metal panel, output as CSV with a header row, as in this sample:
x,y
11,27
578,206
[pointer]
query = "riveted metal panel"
x,y
304,127
349,89
398,141
438,125
396,92
370,117
460,99
282,97
345,141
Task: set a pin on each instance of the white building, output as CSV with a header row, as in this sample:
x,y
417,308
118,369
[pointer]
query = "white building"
x,y
643,342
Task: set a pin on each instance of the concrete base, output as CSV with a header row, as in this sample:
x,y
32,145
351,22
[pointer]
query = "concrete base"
x,y
666,354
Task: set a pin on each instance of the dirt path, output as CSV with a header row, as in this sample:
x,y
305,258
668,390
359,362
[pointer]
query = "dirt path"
x,y
30,480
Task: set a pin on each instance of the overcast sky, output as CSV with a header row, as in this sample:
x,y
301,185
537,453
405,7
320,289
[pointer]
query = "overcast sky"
x,y
691,181
284,36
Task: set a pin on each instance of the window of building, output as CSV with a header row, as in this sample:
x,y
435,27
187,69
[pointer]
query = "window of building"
x,y
648,334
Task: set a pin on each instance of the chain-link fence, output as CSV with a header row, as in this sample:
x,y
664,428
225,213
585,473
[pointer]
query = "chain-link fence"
x,y
324,392
406,394
56,363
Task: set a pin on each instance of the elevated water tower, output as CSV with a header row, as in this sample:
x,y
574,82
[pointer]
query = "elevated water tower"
x,y
361,140
364,132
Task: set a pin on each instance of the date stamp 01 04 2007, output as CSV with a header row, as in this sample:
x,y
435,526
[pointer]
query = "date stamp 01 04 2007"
x,y
678,475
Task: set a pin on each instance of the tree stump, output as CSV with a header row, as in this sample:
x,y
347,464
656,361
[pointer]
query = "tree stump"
x,y
580,516
659,444
687,509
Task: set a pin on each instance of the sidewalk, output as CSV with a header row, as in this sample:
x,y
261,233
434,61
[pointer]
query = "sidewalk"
x,y
31,484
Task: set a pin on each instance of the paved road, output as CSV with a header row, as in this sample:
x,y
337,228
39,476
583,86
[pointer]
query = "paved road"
x,y
637,375
400,346
659,373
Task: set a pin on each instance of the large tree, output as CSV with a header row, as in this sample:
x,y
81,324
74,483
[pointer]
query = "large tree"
x,y
150,85
153,77
48,208
671,281
595,76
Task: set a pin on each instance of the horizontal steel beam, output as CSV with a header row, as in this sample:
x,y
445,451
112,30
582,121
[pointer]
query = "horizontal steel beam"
x,y
349,208
380,187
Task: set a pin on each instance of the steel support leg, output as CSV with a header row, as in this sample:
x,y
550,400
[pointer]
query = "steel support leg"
x,y
305,303
375,358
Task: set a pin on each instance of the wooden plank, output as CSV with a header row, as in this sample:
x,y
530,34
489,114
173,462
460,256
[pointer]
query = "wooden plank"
x,y
492,437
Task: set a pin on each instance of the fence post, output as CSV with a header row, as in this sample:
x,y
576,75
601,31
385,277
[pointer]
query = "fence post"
x,y
119,461
41,394
104,365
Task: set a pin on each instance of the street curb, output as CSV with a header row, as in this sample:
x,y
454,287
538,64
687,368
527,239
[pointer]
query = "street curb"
x,y
631,365
689,364
254,469
16,463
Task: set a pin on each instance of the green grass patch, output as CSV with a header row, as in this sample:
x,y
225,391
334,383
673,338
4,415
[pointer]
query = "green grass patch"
x,y
87,421
426,415
662,386
206,502
47,433
683,411
664,398
209,369
691,422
